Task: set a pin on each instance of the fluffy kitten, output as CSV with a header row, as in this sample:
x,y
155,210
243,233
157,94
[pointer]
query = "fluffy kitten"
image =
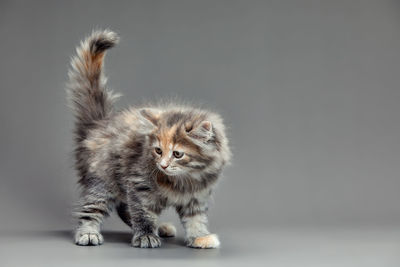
x,y
140,160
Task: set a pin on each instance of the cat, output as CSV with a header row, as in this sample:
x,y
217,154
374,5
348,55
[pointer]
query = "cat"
x,y
140,160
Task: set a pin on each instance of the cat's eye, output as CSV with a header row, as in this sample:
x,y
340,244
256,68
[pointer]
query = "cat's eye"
x,y
158,150
178,154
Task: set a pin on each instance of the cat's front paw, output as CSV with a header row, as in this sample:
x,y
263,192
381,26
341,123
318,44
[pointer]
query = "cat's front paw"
x,y
88,238
208,241
146,241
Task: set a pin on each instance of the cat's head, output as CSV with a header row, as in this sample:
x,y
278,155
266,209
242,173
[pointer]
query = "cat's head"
x,y
182,143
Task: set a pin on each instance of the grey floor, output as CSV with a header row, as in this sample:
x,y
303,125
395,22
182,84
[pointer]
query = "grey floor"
x,y
257,247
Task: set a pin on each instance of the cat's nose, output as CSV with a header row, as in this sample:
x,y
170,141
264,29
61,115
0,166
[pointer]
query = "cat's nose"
x,y
164,166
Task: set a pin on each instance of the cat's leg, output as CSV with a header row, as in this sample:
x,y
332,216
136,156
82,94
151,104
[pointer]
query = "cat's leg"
x,y
123,213
163,230
194,220
95,204
197,234
143,222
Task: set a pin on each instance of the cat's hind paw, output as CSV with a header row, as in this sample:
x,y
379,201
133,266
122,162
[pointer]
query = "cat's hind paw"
x,y
92,238
166,230
208,241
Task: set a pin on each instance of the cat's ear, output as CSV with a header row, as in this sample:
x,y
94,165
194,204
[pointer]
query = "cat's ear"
x,y
151,115
202,132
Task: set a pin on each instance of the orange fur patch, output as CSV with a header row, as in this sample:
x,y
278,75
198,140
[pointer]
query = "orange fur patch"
x,y
208,241
97,61
93,62
166,138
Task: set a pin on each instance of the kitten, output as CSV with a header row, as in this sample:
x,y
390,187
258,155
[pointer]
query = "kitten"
x,y
142,159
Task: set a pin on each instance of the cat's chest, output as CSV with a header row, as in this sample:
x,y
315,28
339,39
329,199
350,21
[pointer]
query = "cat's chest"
x,y
173,198
178,192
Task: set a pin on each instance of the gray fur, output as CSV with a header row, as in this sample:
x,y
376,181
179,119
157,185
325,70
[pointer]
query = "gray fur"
x,y
117,161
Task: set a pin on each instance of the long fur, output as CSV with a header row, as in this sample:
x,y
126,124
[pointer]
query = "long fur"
x,y
142,159
87,90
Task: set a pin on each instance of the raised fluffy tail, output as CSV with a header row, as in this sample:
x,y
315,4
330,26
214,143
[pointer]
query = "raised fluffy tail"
x,y
87,90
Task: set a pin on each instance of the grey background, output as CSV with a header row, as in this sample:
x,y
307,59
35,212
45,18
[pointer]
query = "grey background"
x,y
309,90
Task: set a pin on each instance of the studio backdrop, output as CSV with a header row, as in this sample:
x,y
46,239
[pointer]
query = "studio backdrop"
x,y
309,90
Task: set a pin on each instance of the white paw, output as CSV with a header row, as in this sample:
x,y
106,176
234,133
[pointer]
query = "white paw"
x,y
92,238
166,230
208,241
146,241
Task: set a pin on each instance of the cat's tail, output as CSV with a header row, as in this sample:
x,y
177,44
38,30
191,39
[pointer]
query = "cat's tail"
x,y
86,88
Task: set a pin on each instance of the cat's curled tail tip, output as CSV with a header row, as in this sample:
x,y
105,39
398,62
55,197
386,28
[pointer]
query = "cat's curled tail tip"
x,y
101,40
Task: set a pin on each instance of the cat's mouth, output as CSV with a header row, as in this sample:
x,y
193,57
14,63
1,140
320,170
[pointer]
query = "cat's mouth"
x,y
165,171
168,172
